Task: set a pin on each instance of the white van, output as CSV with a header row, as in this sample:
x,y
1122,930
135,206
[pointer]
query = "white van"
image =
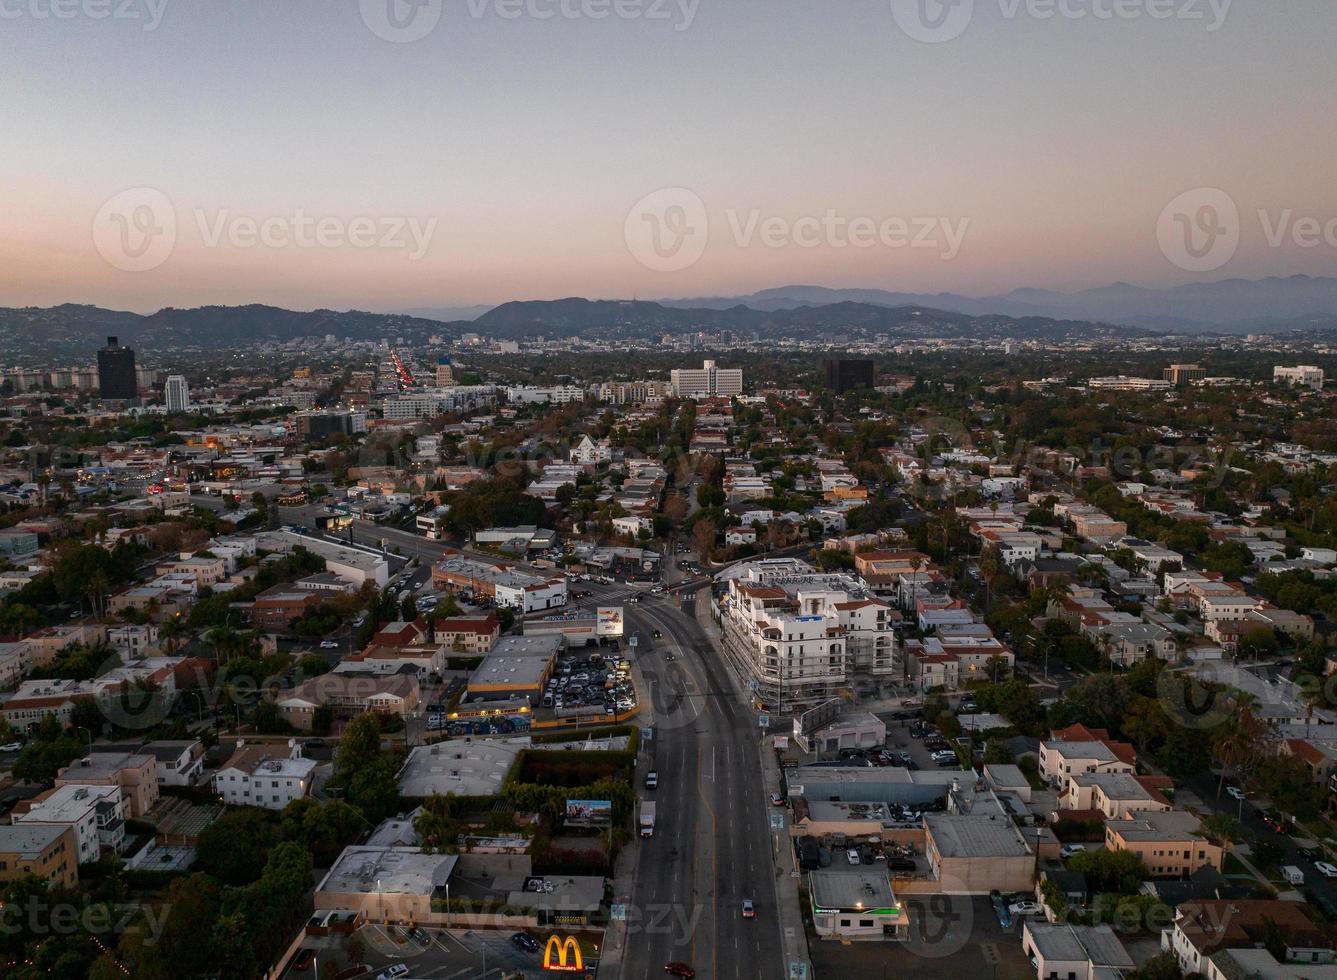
x,y
1293,875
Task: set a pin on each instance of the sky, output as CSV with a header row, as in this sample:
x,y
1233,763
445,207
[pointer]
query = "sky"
x,y
408,154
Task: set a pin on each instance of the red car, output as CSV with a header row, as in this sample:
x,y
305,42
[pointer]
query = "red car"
x,y
680,970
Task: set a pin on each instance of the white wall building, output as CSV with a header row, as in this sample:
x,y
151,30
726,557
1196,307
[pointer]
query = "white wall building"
x,y
799,637
95,813
1304,375
261,775
176,394
709,381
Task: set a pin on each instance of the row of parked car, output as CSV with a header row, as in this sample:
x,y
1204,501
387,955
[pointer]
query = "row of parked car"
x,y
1010,908
591,682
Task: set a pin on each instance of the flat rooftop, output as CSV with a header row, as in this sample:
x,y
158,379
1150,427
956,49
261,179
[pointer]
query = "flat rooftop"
x,y
975,836
475,768
388,871
870,890
1097,945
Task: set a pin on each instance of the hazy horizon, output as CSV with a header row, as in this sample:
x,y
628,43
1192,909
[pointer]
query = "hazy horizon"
x,y
310,155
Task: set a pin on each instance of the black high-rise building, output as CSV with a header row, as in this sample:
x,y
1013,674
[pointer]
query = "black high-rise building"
x,y
116,378
846,375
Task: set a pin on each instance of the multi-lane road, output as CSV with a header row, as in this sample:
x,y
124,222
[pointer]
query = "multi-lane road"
x,y
712,844
711,848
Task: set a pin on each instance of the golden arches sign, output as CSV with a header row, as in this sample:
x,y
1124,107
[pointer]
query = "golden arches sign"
x,y
567,957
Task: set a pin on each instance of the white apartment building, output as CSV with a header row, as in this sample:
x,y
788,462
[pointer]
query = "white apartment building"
x,y
558,395
133,641
588,452
1303,375
96,814
798,638
261,775
176,393
709,381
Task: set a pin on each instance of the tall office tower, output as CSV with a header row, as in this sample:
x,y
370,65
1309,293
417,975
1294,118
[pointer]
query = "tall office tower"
x,y
177,394
445,374
848,375
116,372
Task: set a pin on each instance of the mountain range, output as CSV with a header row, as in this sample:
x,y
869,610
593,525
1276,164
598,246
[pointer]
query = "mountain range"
x,y
1227,306
1234,306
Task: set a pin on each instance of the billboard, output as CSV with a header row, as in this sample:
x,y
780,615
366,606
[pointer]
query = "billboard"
x,y
610,621
589,813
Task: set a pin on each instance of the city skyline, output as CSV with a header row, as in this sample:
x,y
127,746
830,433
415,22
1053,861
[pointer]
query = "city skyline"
x,y
321,159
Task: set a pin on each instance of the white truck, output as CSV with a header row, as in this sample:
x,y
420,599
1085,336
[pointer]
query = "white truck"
x,y
1293,875
647,819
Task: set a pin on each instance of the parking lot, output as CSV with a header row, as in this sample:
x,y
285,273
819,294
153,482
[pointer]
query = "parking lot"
x,y
432,954
591,680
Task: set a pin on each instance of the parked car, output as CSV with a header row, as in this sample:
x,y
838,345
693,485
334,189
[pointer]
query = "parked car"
x,y
777,800
852,856
1325,869
1018,909
1068,850
329,645
12,747
304,960
523,940
1234,792
393,972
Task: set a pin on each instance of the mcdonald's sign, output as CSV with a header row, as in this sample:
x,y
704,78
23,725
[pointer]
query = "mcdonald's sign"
x,y
567,958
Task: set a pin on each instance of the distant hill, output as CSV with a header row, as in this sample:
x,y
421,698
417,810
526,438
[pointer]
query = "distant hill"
x,y
1228,306
73,328
569,317
82,329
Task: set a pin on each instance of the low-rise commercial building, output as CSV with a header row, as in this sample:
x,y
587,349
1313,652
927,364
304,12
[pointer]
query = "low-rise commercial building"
x,y
857,906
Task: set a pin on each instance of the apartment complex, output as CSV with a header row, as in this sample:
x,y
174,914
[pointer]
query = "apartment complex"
x,y
798,637
1303,375
708,381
